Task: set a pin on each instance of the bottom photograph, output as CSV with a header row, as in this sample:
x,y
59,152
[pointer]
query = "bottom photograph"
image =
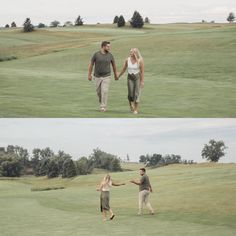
x,y
117,177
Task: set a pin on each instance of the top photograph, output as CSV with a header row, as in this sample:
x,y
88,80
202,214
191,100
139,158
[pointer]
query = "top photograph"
x,y
127,59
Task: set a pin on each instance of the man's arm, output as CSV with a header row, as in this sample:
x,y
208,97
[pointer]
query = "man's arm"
x,y
114,70
135,182
150,188
123,68
90,69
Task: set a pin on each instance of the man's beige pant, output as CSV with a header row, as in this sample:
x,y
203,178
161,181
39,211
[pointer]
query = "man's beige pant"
x,y
144,199
102,87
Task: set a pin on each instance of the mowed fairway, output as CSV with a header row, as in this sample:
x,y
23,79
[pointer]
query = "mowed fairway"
x,y
189,200
189,71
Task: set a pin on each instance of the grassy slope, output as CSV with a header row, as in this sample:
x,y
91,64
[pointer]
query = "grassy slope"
x,y
189,71
190,200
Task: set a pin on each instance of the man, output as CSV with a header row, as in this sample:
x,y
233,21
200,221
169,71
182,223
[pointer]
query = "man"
x,y
102,72
144,190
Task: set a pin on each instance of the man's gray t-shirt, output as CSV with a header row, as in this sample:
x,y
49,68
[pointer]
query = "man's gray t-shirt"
x,y
102,64
144,183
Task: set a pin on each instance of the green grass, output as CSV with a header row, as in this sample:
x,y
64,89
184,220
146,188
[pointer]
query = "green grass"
x,y
189,200
189,71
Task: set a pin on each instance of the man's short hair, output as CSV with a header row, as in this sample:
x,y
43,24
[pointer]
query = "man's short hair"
x,y
104,43
143,169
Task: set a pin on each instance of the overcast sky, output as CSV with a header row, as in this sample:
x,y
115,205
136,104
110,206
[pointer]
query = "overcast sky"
x,y
120,137
103,11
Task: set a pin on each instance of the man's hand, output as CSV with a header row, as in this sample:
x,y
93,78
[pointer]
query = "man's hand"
x,y
89,77
116,76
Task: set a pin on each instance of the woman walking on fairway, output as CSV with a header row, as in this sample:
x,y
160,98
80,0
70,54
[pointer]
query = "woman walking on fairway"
x,y
104,187
135,79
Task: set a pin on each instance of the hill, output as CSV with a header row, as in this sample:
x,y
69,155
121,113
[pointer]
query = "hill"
x,y
189,71
192,200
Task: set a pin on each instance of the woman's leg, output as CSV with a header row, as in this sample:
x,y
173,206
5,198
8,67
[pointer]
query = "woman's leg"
x,y
104,214
130,85
136,93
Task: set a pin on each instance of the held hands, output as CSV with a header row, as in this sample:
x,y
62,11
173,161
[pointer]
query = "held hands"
x,y
117,76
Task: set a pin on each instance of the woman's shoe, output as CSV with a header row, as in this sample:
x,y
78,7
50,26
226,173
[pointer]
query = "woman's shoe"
x,y
112,217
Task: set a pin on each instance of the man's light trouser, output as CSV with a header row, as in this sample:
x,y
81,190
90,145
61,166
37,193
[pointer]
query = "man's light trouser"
x,y
144,199
102,87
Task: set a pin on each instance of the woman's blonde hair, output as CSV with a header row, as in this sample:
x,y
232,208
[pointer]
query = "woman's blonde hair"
x,y
106,179
137,55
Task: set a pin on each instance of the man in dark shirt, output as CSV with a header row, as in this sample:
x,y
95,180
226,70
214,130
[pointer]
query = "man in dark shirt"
x,y
102,72
144,190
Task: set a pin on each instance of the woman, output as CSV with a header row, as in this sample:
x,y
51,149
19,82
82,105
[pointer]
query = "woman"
x,y
105,196
135,79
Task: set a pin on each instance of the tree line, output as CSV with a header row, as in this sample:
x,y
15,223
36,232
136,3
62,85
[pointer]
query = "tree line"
x,y
136,21
212,152
157,160
16,161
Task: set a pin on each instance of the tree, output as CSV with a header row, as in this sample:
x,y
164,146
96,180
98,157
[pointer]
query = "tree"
x,y
136,20
41,25
53,169
121,21
55,23
7,26
147,20
82,166
214,150
100,159
144,159
115,21
10,165
154,159
231,17
27,26
79,21
68,24
68,169
127,158
13,24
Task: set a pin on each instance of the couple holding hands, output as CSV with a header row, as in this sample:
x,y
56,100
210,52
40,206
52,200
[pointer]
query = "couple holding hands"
x,y
102,75
144,190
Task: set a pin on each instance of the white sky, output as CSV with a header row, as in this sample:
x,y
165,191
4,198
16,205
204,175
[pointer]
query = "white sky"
x,y
120,137
103,11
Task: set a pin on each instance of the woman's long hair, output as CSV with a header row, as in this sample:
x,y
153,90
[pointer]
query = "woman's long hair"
x,y
106,180
137,55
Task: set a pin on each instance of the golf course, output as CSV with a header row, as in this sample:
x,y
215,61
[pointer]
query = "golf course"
x,y
189,72
196,199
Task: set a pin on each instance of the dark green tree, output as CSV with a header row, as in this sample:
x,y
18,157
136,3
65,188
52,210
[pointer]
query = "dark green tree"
x,y
82,166
10,165
231,17
68,169
143,159
27,26
79,21
41,25
121,21
214,150
53,168
55,23
147,20
13,24
115,21
137,20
